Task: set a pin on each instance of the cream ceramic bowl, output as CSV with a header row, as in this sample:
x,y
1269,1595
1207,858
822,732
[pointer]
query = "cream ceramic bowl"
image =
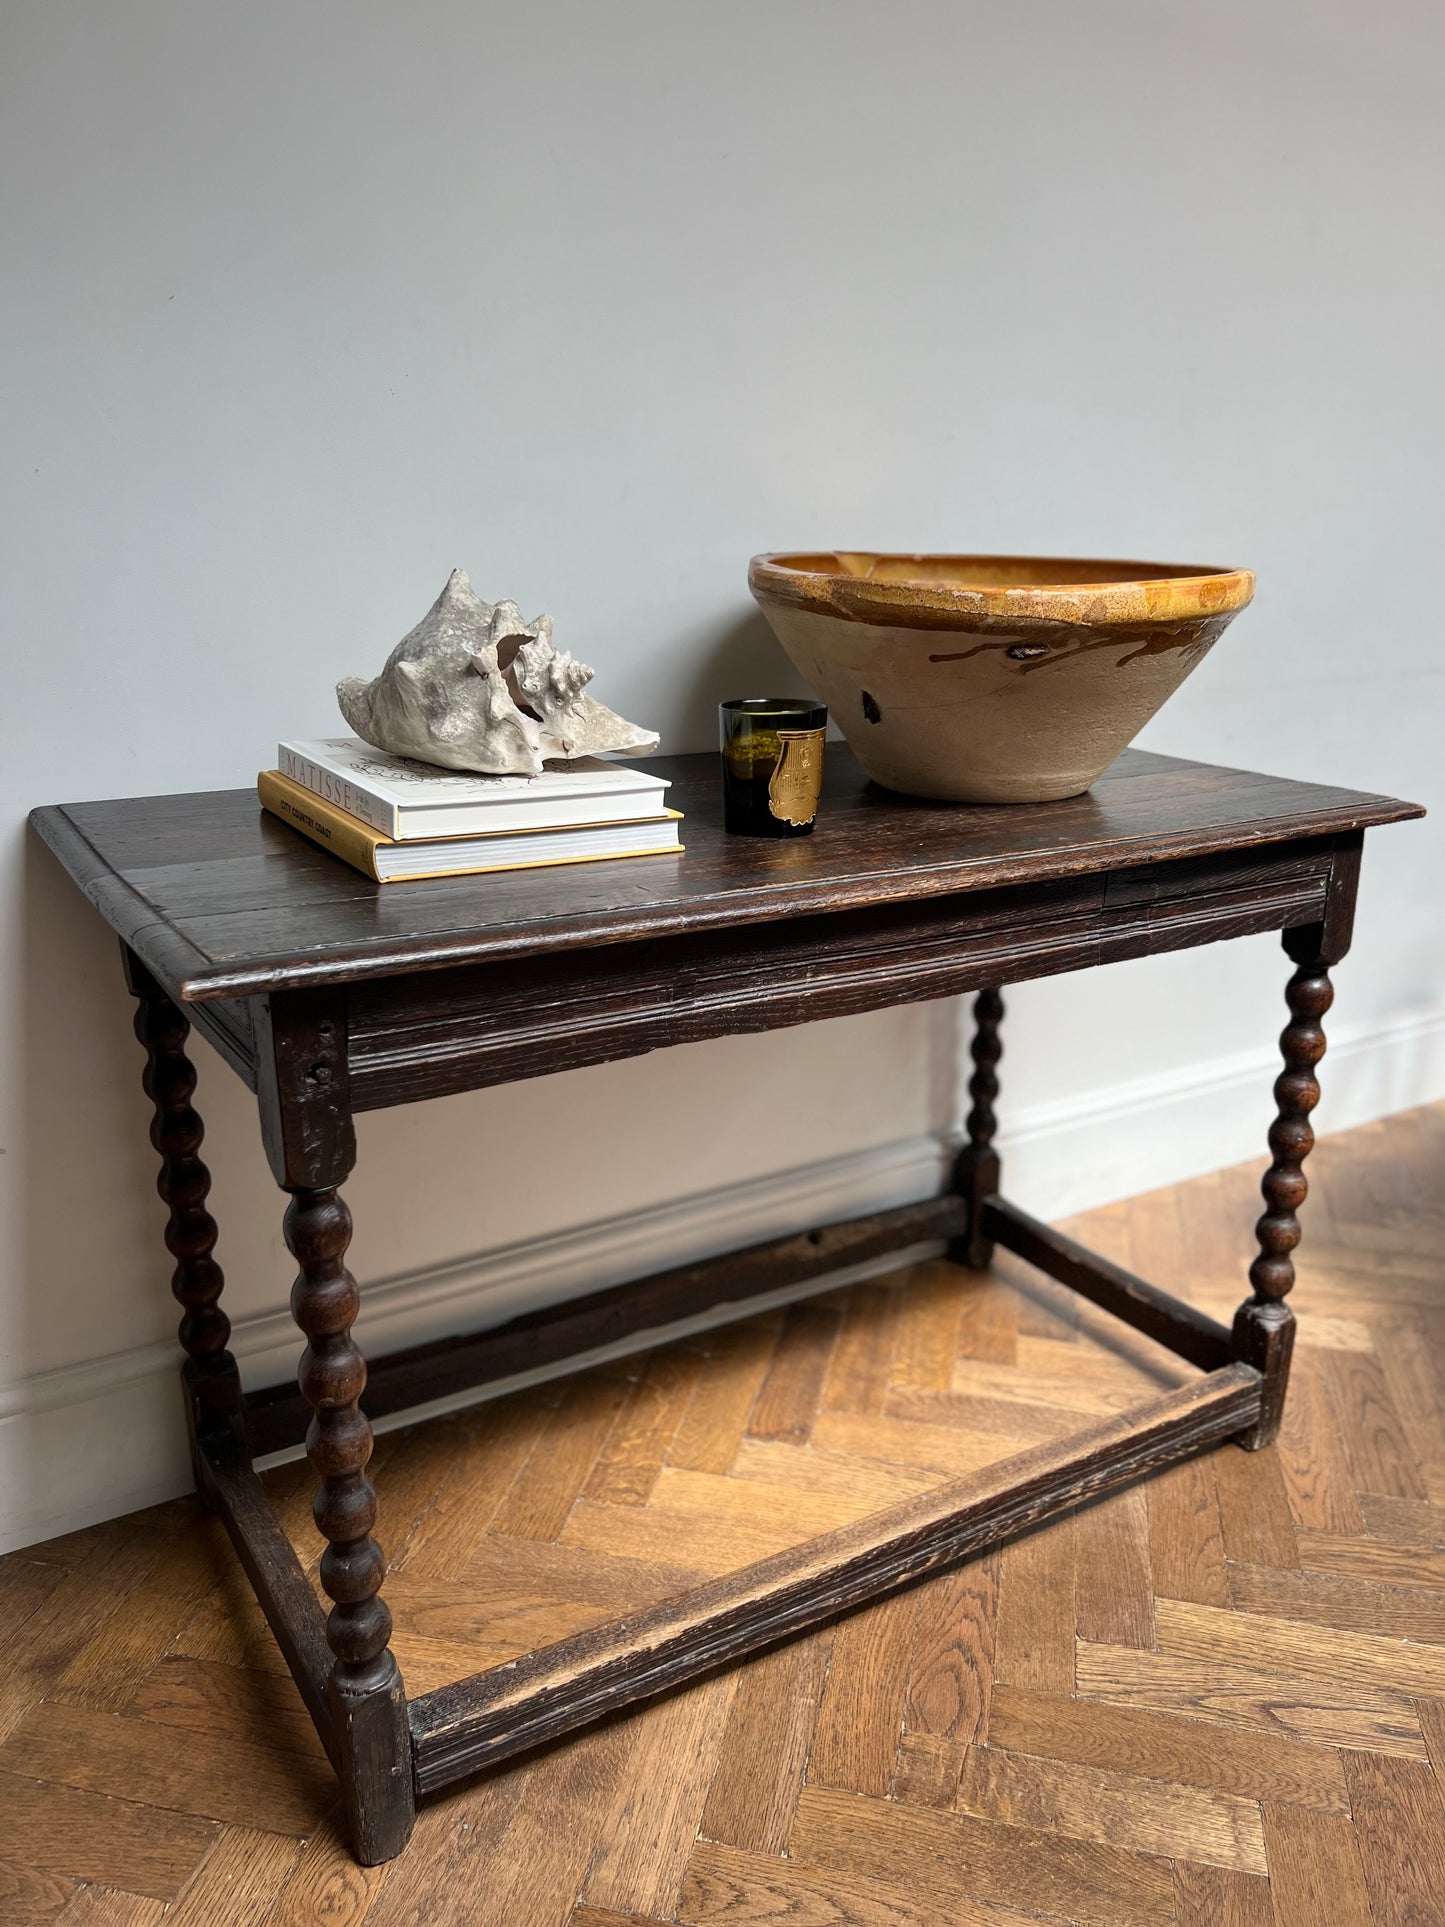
x,y
992,678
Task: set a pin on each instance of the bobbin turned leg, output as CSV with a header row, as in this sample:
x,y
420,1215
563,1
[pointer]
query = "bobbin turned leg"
x,y
210,1376
306,1122
1264,1323
976,1174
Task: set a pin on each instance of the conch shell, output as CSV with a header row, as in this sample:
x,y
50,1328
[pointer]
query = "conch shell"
x,y
474,687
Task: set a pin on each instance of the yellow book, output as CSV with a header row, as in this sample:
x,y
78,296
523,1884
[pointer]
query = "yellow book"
x,y
387,861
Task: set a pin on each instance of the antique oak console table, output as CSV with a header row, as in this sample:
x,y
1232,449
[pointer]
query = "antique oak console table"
x,y
329,995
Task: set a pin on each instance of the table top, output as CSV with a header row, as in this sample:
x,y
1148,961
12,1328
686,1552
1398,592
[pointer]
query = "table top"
x,y
222,900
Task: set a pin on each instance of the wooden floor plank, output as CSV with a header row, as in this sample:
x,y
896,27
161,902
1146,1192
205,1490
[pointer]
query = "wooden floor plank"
x,y
1349,1605
765,1748
25,1584
988,1321
951,1659
537,1869
1314,1869
983,1859
869,1484
1011,1405
938,1449
800,1513
585,1916
1286,1646
326,1888
487,1448
717,1415
1057,1363
1379,1453
927,1771
228,1628
1399,1815
787,1400
1077,1375
928,1335
858,1371
1186,1539
648,1830
1431,1715
1412,1523
523,1593
109,1907
227,1703
75,1612
1318,1483
88,1836
1089,1803
29,1896
1034,1629
1371,1559
544,1490
860,1713
1304,1708
1169,1747
662,1539
634,1451
455,1860
238,1881
1114,1586
1042,1308
1414,1382
1254,1515
410,1469
428,1663
727,1887
1213,1897
165,1768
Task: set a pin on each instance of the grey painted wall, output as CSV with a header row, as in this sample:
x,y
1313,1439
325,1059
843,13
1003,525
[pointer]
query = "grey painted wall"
x,y
305,304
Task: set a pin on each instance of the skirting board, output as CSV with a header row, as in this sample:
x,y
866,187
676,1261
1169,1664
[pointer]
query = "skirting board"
x,y
1130,1138
91,1440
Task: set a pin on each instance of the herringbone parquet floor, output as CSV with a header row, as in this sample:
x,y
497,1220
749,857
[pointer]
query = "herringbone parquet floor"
x,y
1214,1699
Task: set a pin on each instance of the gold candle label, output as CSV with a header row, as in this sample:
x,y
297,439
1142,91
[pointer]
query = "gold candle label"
x,y
797,777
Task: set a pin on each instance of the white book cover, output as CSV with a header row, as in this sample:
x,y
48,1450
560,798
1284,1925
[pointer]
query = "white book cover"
x,y
413,801
483,855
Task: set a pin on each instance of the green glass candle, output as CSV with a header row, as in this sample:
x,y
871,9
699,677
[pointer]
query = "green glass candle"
x,y
772,756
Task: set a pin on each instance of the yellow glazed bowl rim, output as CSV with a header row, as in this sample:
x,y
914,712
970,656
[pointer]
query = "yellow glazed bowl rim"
x,y
934,591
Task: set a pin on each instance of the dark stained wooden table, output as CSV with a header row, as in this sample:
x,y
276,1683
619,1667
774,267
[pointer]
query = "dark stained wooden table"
x,y
330,994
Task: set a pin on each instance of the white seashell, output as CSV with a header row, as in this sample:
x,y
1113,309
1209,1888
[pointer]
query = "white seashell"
x,y
474,687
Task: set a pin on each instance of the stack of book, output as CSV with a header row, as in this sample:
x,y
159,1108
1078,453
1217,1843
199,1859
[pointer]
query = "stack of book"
x,y
398,820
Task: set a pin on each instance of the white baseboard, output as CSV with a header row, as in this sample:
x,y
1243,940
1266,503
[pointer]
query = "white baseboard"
x,y
104,1436
1116,1143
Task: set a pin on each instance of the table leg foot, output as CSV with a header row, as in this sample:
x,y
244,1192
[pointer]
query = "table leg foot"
x,y
1263,1336
375,1764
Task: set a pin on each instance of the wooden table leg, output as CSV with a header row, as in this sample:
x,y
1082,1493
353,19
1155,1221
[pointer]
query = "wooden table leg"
x,y
310,1140
1264,1324
210,1375
976,1174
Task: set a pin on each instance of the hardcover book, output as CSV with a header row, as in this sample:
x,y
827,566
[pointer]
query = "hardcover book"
x,y
413,802
385,860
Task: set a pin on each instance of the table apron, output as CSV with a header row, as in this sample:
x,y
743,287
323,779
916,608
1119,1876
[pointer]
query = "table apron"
x,y
441,1032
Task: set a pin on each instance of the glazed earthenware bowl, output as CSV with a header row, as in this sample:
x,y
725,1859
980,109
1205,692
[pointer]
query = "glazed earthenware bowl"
x,y
992,678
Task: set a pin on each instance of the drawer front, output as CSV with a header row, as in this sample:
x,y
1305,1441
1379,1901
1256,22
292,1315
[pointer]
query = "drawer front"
x,y
452,1030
